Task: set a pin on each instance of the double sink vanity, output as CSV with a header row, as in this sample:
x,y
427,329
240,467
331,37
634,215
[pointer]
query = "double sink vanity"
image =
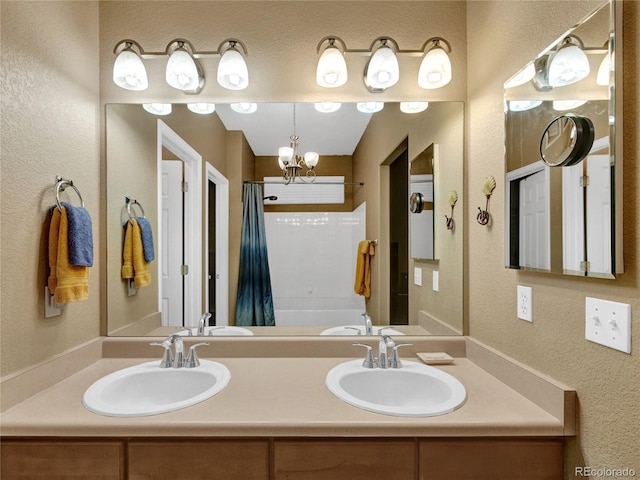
x,y
285,408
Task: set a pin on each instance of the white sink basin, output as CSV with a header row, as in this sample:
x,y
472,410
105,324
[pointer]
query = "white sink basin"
x,y
415,390
358,330
218,331
147,389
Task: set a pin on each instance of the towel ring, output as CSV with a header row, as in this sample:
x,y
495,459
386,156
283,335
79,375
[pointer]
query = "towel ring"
x,y
132,202
61,186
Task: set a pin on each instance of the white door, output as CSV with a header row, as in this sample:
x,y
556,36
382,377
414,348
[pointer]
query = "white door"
x,y
572,218
599,213
172,243
534,222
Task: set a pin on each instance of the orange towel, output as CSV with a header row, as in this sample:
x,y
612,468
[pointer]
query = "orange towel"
x,y
68,283
133,262
366,250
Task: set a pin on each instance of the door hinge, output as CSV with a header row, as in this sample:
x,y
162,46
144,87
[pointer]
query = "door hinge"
x,y
584,266
584,181
185,186
184,269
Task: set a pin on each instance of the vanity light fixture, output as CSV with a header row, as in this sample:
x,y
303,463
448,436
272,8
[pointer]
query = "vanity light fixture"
x,y
157,108
569,64
561,105
331,71
369,107
292,164
523,76
382,70
435,68
128,69
184,71
202,108
413,107
523,105
327,107
604,71
244,107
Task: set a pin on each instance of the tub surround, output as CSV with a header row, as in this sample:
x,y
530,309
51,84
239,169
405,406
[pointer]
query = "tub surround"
x,y
277,390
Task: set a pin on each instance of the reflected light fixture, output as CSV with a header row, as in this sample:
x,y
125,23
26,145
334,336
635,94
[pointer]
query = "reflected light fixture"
x,y
604,71
435,68
232,69
331,71
382,70
327,107
413,107
128,69
369,107
569,64
202,108
561,105
523,76
183,72
157,108
523,105
244,107
292,164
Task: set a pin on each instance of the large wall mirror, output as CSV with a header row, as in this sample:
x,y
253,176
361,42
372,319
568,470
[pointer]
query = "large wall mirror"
x,y
563,153
312,243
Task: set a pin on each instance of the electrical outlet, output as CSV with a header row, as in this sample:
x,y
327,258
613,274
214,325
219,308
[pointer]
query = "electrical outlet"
x,y
417,276
525,303
608,323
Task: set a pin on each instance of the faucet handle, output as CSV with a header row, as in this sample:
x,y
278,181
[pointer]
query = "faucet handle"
x,y
167,358
395,362
356,329
192,359
369,359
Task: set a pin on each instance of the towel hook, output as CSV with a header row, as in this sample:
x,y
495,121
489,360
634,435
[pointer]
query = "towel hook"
x,y
130,203
61,186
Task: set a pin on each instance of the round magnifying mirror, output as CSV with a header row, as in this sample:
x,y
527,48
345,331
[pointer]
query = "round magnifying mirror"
x,y
566,140
416,202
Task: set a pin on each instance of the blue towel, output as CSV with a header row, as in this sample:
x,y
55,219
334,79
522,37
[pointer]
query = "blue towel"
x,y
147,238
80,236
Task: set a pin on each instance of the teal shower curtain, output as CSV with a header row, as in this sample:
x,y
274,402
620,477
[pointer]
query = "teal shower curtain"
x,y
254,303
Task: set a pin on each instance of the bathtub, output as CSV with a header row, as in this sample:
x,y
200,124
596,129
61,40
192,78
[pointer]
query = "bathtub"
x,y
325,312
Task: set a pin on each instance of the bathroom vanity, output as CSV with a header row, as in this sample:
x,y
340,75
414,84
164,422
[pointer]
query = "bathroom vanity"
x,y
277,420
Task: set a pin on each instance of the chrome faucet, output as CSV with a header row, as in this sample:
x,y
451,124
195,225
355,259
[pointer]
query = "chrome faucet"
x,y
169,360
385,341
203,322
368,328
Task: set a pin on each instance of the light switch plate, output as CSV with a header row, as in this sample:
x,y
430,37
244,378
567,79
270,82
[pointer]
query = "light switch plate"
x,y
608,323
525,303
436,281
417,276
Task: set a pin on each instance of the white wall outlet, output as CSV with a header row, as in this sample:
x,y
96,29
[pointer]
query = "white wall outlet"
x,y
417,276
436,281
608,323
131,287
51,308
525,303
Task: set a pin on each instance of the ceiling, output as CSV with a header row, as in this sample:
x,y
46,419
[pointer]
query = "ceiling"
x,y
270,127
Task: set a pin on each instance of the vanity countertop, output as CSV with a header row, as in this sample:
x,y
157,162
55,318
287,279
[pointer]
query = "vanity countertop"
x,y
283,396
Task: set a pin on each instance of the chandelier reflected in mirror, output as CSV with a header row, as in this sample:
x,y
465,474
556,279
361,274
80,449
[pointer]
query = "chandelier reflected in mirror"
x,y
292,164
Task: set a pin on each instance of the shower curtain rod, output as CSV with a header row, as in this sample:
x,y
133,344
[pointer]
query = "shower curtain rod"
x,y
262,182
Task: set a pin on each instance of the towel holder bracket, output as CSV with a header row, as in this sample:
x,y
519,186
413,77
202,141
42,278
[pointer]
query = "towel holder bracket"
x,y
61,186
51,308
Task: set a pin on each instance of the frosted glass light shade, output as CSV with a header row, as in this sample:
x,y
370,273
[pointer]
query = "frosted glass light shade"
x,y
244,107
569,65
311,159
285,155
232,70
561,105
202,108
435,69
383,70
129,72
157,108
413,107
182,72
369,107
523,76
604,70
332,68
327,107
522,105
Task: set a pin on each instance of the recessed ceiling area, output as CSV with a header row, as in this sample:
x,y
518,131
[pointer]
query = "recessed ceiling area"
x,y
271,125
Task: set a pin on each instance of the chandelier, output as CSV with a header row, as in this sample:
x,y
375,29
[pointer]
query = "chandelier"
x,y
292,164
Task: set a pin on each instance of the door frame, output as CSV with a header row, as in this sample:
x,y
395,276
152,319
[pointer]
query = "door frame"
x,y
193,248
222,244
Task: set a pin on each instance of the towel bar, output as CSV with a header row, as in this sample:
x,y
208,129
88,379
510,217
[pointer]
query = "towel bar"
x,y
131,202
61,186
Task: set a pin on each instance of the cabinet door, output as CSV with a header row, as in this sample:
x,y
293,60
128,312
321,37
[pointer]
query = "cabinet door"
x,y
344,459
199,459
26,459
497,459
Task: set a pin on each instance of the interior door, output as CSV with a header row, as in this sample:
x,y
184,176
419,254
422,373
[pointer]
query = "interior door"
x,y
598,200
399,239
534,222
172,244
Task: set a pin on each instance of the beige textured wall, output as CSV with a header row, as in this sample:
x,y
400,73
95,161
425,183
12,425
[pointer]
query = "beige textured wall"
x,y
50,125
607,381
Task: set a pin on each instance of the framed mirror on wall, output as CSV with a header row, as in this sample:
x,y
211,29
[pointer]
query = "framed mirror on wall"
x,y
563,167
